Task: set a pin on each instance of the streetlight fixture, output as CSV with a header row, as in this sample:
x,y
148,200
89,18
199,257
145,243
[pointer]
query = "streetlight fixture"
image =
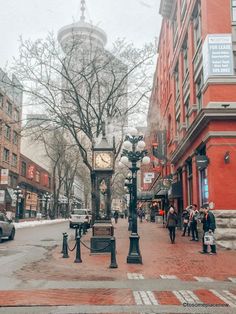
x,y
46,198
18,194
128,189
131,154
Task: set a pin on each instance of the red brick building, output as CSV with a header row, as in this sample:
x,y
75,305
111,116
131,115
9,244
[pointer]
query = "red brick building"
x,y
194,101
34,182
10,126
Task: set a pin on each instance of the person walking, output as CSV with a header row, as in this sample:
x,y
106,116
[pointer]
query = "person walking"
x,y
185,216
209,225
194,216
171,223
116,215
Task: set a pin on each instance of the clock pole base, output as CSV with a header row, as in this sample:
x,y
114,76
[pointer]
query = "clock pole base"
x,y
134,256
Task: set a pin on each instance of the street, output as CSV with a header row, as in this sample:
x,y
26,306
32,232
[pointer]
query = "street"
x,y
172,279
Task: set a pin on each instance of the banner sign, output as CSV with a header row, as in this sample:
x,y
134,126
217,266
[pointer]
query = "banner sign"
x,y
147,180
150,175
4,176
2,196
31,170
217,55
160,151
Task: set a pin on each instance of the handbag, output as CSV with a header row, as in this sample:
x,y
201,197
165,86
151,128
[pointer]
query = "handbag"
x,y
185,221
209,238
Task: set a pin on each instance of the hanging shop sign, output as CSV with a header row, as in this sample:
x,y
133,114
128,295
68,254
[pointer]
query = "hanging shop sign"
x,y
202,162
4,176
159,150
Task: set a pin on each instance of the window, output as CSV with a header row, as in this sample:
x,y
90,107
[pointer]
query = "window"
x,y
197,24
186,109
1,100
183,8
14,160
9,108
177,124
37,176
190,181
185,56
177,81
6,155
23,169
199,85
16,115
15,138
8,132
233,5
175,30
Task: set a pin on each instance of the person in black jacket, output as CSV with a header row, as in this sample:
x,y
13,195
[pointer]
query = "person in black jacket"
x,y
186,224
209,225
171,224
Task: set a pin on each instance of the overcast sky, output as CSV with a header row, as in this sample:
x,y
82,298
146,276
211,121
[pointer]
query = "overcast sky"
x,y
136,20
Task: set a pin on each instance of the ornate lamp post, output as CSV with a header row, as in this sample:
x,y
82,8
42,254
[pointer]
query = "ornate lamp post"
x,y
46,198
18,194
128,186
132,153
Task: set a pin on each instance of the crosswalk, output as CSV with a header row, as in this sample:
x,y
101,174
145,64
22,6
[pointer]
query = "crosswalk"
x,y
135,276
183,297
139,276
144,298
187,296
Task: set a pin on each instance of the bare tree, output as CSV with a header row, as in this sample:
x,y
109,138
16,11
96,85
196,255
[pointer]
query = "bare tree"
x,y
80,86
79,89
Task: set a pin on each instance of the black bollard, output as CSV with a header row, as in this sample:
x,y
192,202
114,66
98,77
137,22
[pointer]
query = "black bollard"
x,y
65,246
76,231
78,253
113,254
80,230
84,229
62,250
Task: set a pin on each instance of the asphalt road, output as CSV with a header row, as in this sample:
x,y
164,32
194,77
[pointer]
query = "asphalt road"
x,y
30,244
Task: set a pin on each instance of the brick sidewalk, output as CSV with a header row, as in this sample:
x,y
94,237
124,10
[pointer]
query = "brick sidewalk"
x,y
160,257
160,260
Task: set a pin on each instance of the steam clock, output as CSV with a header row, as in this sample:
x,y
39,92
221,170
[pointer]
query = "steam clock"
x,y
103,168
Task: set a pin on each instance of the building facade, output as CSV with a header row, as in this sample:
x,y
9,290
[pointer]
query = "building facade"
x,y
34,182
10,126
194,97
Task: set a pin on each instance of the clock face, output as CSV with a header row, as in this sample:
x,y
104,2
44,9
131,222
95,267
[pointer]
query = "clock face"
x,y
103,160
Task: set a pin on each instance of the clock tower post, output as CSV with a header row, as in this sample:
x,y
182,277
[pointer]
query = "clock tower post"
x,y
103,168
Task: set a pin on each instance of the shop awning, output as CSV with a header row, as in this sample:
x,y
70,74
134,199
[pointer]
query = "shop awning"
x,y
161,193
175,190
145,195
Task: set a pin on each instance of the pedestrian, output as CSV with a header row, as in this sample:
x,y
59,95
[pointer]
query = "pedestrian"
x,y
209,225
172,223
116,215
141,214
185,216
194,217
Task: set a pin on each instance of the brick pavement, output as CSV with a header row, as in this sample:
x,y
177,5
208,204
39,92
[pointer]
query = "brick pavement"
x,y
160,260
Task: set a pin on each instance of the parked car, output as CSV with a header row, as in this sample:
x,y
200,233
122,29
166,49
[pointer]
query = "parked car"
x,y
79,216
7,228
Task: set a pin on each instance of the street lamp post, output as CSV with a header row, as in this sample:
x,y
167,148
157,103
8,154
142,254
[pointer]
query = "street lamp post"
x,y
17,193
46,198
132,153
128,185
